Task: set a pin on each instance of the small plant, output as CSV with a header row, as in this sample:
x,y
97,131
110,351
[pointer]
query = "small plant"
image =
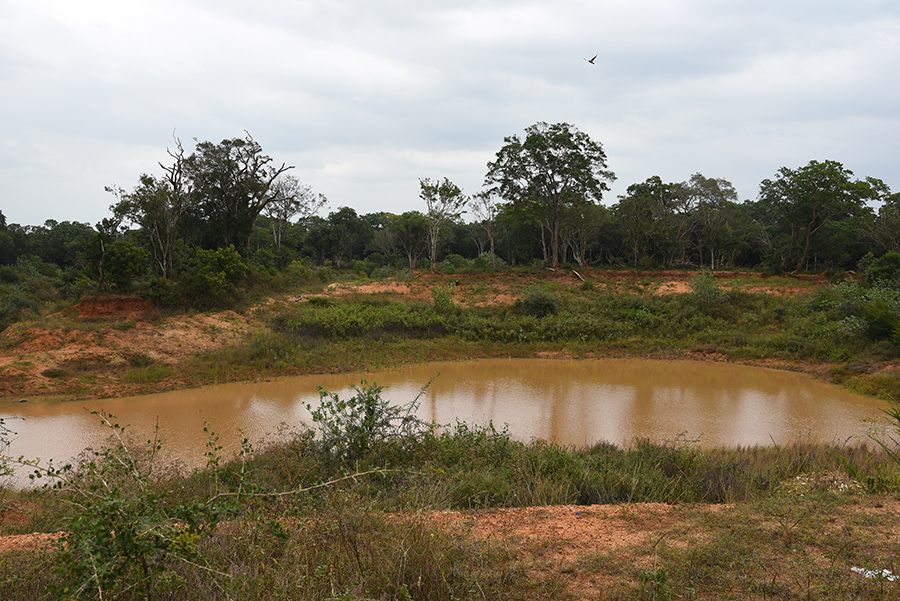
x,y
55,372
539,302
707,291
124,531
655,585
6,469
125,325
140,360
350,428
443,300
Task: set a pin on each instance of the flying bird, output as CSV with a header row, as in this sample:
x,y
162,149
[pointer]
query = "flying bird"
x,y
591,60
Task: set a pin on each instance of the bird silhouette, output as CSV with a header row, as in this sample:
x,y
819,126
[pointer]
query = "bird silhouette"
x,y
591,60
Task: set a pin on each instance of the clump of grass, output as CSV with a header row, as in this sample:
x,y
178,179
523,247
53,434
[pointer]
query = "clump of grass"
x,y
147,374
125,325
55,372
140,360
537,301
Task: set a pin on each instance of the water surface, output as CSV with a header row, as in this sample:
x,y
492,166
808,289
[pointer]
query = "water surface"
x,y
577,402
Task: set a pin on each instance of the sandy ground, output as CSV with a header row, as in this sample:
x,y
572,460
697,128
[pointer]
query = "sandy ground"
x,y
98,333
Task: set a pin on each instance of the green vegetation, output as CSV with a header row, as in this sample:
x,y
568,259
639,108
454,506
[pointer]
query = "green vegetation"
x,y
177,237
342,512
846,325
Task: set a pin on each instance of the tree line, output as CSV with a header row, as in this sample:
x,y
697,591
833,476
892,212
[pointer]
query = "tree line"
x,y
227,209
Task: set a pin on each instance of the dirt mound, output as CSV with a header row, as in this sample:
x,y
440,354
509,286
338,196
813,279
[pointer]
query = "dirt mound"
x,y
111,306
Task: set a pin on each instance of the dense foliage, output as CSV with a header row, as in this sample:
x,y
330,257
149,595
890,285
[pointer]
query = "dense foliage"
x,y
541,206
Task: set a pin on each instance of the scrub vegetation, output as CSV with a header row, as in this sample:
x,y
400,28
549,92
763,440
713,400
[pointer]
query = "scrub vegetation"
x,y
842,331
324,515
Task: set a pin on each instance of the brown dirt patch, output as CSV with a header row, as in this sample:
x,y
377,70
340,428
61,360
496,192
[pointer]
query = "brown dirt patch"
x,y
48,357
117,306
503,289
376,288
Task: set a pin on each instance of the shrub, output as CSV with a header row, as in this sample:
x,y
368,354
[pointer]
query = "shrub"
x,y
212,275
16,304
539,302
486,260
455,261
706,290
299,270
124,261
124,531
8,275
885,270
882,318
443,300
350,428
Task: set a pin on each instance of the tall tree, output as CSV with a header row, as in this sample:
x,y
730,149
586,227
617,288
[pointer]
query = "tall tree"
x,y
444,202
803,201
645,216
580,229
57,242
409,231
233,183
712,203
291,199
343,235
157,205
7,243
554,167
884,229
485,207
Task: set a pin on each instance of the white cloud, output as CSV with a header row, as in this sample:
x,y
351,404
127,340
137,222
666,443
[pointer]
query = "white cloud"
x,y
367,97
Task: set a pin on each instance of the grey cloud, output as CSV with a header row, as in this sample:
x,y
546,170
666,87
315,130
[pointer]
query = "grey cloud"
x,y
365,97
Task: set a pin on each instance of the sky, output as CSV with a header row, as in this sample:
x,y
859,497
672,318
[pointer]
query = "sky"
x,y
366,97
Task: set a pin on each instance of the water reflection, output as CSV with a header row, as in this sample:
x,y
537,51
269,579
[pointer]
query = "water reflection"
x,y
569,402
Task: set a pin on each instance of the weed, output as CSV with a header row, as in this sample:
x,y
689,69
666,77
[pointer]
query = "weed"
x,y
350,428
655,585
122,533
6,469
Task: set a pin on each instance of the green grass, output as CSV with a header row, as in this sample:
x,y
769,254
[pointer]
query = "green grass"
x,y
368,537
339,334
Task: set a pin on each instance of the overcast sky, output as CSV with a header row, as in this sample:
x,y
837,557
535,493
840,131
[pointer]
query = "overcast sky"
x,y
365,97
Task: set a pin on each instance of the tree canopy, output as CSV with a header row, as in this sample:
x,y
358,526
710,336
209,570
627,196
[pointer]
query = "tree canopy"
x,y
444,202
803,201
232,184
554,167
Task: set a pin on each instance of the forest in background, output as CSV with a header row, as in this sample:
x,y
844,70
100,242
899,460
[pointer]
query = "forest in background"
x,y
227,218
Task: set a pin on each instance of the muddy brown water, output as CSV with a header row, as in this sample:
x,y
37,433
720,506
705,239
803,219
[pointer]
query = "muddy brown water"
x,y
571,402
